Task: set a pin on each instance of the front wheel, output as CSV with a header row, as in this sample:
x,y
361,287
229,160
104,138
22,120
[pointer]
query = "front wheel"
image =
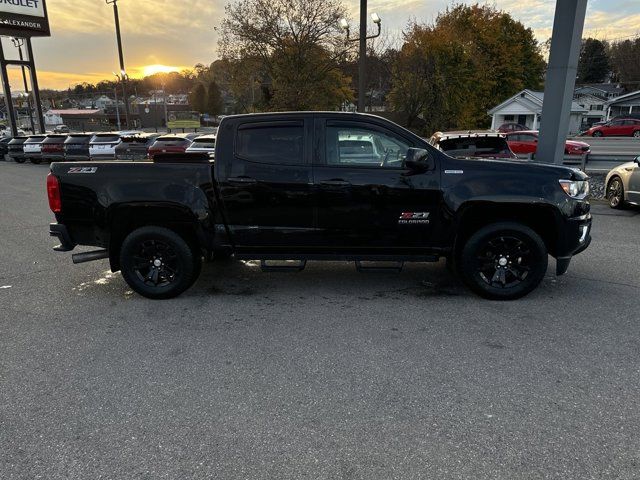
x,y
158,263
597,133
615,193
35,161
636,134
19,160
503,261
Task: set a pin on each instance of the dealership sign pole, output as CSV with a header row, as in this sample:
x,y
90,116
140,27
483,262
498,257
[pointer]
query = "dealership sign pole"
x,y
22,19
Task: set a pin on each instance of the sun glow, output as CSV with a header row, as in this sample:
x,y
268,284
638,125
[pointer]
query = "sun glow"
x,y
153,69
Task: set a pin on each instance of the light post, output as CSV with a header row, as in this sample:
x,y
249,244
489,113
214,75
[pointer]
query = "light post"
x,y
18,43
166,114
362,55
115,91
123,77
121,57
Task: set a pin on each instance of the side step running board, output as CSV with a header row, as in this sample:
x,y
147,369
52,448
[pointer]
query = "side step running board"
x,y
298,267
89,256
378,268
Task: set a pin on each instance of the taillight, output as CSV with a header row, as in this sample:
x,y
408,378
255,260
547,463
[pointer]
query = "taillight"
x,y
53,191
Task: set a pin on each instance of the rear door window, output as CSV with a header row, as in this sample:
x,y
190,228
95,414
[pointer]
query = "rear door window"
x,y
273,143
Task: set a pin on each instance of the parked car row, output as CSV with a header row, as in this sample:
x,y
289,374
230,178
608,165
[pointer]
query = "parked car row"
x,y
126,145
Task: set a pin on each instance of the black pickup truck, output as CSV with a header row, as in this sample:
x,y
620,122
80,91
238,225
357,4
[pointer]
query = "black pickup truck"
x,y
321,186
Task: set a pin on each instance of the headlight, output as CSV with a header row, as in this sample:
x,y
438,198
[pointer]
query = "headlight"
x,y
575,189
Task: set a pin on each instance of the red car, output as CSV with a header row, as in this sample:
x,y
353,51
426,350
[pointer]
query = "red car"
x,y
511,127
525,142
171,144
620,127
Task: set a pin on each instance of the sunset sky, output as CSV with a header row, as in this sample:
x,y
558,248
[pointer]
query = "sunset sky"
x,y
165,34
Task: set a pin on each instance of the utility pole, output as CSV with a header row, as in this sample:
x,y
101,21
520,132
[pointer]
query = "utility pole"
x,y
166,115
115,91
123,72
362,55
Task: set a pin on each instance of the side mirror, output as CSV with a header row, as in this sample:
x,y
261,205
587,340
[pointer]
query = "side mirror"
x,y
419,160
637,159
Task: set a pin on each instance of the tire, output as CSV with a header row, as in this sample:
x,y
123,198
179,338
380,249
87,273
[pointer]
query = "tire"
x,y
597,133
636,134
615,193
503,261
35,161
19,160
158,263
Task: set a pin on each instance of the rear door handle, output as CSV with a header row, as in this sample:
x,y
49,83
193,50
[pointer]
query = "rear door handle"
x,y
243,180
335,183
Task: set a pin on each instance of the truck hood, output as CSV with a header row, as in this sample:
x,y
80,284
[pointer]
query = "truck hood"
x,y
515,166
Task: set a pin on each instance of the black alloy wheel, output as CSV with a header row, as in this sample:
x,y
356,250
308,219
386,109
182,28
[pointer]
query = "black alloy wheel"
x,y
597,133
158,263
503,261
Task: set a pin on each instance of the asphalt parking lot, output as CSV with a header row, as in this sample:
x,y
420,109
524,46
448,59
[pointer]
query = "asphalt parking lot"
x,y
322,374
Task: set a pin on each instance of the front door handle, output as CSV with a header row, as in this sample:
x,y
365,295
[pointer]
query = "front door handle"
x,y
243,180
335,183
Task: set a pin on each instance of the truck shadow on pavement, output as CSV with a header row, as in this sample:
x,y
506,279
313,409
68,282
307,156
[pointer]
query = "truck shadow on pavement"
x,y
245,278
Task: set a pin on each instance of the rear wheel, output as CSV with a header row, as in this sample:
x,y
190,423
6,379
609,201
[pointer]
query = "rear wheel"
x,y
19,160
615,193
35,161
636,134
503,261
158,263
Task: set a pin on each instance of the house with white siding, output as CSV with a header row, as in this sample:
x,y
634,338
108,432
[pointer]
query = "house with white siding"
x,y
525,108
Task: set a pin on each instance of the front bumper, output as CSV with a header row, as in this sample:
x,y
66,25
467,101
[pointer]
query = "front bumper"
x,y
61,233
576,238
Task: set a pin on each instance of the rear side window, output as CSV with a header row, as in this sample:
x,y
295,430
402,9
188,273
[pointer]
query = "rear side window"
x,y
274,144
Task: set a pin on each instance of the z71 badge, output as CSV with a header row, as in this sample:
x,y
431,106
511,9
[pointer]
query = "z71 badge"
x,y
414,218
83,170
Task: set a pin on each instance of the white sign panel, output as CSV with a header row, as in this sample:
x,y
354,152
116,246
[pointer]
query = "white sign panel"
x,y
31,8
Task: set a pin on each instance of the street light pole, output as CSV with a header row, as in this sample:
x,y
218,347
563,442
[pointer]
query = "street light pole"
x,y
115,91
123,73
362,55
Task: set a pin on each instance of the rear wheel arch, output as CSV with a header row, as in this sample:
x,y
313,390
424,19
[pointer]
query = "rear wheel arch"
x,y
126,219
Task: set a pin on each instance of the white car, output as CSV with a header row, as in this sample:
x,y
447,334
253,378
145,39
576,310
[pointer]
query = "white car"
x,y
623,184
33,148
103,146
203,144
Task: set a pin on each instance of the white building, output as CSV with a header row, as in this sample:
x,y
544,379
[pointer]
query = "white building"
x,y
595,106
525,108
623,105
